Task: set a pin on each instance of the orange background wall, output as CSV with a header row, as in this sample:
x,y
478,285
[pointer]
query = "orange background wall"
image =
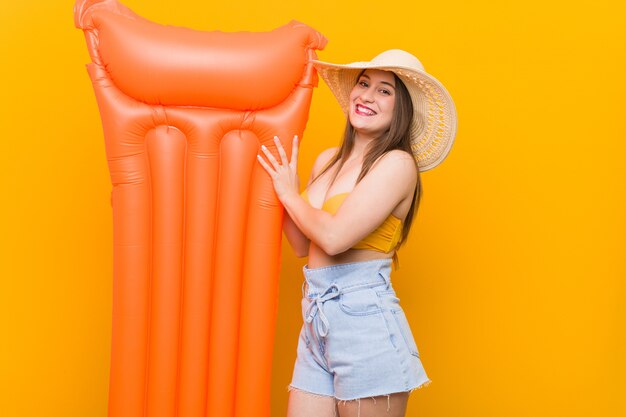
x,y
514,279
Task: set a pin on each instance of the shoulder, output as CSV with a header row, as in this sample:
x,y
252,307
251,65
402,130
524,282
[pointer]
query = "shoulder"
x,y
397,163
397,168
323,158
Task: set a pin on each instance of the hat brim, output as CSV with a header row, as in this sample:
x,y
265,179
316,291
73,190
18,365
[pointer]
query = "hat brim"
x,y
434,120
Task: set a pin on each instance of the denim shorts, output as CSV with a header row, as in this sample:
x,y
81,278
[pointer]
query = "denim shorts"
x,y
355,341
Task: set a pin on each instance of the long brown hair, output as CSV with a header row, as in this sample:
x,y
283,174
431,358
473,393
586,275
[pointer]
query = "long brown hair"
x,y
398,136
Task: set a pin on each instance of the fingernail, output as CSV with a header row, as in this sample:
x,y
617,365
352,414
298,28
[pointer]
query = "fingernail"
x,y
263,147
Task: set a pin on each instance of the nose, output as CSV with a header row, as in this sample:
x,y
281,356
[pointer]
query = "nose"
x,y
367,95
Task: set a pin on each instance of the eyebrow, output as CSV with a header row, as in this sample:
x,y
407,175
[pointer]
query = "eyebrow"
x,y
382,82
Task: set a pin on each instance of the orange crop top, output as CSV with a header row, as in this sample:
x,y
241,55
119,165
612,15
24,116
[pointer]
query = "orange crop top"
x,y
383,239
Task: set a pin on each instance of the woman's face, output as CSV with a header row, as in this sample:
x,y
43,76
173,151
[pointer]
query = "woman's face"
x,y
372,102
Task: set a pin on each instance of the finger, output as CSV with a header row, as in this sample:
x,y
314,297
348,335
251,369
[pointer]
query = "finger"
x,y
281,151
271,158
265,165
294,151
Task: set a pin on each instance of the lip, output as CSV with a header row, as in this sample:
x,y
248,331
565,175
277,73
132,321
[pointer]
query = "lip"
x,y
362,113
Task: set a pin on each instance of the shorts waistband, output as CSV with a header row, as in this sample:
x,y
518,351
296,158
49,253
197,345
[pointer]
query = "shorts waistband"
x,y
345,277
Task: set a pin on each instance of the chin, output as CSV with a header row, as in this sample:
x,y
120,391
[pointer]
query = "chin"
x,y
360,124
365,128
369,132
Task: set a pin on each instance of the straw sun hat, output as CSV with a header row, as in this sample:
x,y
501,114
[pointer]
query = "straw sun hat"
x,y
434,115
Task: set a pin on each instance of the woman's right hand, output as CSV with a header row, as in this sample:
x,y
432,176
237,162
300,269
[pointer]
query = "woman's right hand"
x,y
284,176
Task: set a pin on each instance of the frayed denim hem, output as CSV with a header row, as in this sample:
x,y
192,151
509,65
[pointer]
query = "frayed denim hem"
x,y
358,400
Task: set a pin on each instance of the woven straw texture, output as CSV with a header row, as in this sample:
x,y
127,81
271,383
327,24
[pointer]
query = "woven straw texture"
x,y
435,121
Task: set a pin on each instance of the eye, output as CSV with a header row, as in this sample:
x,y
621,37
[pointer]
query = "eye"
x,y
386,92
363,83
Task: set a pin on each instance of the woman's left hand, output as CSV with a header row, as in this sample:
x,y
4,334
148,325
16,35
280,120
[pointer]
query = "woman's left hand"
x,y
285,175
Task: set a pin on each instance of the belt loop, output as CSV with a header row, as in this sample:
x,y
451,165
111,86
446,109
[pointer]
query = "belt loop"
x,y
387,277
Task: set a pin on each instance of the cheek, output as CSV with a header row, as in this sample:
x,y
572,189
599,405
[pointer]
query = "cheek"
x,y
389,105
353,94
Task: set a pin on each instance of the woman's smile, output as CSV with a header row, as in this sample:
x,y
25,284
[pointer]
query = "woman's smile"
x,y
372,101
364,110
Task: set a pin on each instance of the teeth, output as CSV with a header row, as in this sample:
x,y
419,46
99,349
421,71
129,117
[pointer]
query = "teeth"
x,y
365,110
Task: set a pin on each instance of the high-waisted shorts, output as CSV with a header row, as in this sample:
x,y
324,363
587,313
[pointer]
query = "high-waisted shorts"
x,y
355,341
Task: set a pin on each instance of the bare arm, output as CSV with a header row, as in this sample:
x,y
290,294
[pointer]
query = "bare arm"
x,y
298,240
365,208
391,179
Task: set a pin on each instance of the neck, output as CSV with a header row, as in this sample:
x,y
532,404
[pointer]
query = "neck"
x,y
361,142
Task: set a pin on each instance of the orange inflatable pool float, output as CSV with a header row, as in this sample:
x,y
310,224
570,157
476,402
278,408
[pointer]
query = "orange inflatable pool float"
x,y
196,222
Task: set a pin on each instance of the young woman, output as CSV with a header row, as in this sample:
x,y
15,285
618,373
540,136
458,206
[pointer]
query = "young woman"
x,y
357,209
